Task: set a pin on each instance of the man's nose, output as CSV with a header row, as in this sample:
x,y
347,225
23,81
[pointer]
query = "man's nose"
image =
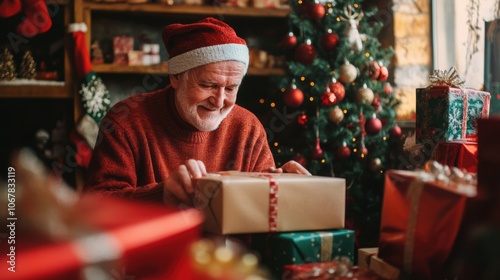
x,y
218,98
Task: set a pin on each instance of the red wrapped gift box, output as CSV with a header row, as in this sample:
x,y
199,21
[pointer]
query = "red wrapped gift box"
x,y
327,270
461,154
117,237
420,221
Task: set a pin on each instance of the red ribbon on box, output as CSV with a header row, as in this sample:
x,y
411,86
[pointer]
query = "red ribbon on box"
x,y
273,197
273,201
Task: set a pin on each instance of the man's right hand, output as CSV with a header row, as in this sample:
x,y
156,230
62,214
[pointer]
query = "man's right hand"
x,y
178,187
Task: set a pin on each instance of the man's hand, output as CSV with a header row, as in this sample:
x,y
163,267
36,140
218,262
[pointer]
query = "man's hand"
x,y
290,167
178,188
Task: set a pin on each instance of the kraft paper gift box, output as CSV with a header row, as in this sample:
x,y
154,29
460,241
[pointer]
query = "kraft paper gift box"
x,y
447,113
116,238
383,269
368,259
365,255
460,154
280,249
422,213
248,202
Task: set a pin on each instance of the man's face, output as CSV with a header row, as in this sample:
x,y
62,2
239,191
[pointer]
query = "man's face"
x,y
205,95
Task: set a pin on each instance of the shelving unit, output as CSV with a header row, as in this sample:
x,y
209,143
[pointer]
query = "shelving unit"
x,y
44,89
163,69
84,12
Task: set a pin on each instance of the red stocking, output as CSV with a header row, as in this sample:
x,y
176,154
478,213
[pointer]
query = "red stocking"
x,y
9,8
92,88
37,18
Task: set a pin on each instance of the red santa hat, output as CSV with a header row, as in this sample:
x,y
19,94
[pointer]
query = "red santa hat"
x,y
200,43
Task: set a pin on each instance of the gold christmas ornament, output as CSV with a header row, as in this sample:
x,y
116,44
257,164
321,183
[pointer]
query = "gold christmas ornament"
x,y
336,115
364,95
347,73
375,164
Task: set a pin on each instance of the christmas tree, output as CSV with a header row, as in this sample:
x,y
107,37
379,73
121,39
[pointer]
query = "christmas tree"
x,y
27,69
340,108
7,66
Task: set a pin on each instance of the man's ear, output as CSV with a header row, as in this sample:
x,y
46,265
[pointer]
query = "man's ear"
x,y
174,80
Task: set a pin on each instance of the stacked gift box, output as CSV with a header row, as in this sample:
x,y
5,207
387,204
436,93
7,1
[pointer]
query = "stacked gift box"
x,y
291,220
446,122
422,214
440,222
432,216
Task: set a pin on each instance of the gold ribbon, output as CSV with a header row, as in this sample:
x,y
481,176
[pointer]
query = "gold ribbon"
x,y
436,172
326,245
446,78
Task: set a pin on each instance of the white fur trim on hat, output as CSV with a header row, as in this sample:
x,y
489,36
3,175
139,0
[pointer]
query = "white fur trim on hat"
x,y
75,27
207,55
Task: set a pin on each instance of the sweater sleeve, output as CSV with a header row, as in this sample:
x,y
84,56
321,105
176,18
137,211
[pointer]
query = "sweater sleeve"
x,y
112,169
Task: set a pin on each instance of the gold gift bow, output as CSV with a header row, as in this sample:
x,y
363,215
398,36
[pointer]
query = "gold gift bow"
x,y
433,171
446,78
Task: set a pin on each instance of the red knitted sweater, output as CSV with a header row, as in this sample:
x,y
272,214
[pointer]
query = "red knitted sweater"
x,y
143,138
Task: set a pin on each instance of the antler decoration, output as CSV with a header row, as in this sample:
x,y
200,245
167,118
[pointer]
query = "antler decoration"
x,y
446,78
350,15
352,33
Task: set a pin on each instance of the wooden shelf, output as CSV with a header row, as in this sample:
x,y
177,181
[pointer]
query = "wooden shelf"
x,y
163,69
130,69
35,91
158,8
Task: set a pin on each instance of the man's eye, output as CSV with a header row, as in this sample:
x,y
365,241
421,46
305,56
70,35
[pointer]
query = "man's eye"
x,y
231,89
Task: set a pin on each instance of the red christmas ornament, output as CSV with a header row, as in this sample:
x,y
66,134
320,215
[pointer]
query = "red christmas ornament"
x,y
293,97
376,101
388,88
289,41
316,11
300,159
363,152
343,152
337,89
374,70
384,74
328,98
302,119
305,53
329,40
373,126
317,152
395,132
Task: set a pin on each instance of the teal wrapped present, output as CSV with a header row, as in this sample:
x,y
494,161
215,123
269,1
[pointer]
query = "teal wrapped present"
x,y
448,113
280,249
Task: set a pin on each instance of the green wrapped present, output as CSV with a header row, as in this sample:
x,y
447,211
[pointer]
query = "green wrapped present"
x,y
280,249
446,111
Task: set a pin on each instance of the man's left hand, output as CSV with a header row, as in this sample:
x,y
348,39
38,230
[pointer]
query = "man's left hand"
x,y
290,167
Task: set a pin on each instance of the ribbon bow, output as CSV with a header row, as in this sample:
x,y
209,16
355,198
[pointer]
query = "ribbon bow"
x,y
446,78
448,176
